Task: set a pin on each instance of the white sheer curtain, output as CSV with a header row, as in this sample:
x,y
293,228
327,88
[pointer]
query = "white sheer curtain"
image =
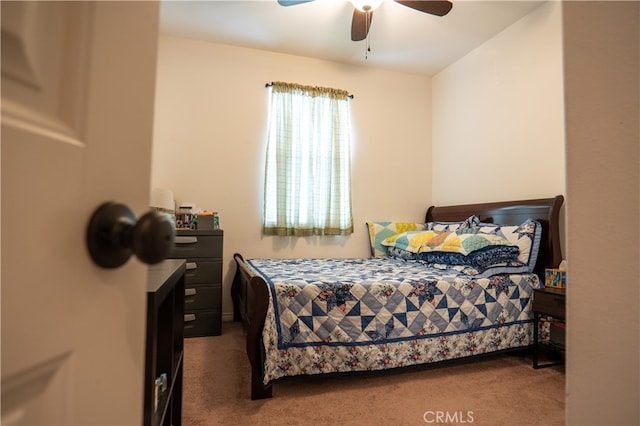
x,y
308,163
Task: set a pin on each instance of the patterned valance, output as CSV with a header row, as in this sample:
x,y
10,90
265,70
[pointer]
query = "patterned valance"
x,y
314,91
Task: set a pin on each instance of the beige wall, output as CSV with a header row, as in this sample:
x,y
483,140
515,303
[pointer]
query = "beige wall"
x,y
602,73
498,120
211,110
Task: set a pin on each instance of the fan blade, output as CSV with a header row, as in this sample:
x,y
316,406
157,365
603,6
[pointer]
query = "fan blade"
x,y
360,24
438,8
292,2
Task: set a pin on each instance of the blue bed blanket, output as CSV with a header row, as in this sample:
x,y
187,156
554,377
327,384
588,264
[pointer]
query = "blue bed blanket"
x,y
329,315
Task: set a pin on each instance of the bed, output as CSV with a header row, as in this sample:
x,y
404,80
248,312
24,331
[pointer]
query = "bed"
x,y
412,303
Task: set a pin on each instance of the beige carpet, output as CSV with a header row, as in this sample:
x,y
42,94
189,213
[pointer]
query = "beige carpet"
x,y
502,390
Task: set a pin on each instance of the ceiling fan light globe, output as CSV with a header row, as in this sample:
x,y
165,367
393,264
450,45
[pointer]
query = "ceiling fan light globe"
x,y
366,5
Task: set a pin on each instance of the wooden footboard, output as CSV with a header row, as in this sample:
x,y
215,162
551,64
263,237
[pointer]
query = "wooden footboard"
x,y
250,300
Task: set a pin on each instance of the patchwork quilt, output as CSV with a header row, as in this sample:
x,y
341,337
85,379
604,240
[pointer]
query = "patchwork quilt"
x,y
331,315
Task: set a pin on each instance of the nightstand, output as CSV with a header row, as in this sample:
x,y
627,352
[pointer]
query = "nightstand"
x,y
549,302
165,344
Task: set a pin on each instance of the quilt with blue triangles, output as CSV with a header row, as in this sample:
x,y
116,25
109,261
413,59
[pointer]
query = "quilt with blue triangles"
x,y
356,302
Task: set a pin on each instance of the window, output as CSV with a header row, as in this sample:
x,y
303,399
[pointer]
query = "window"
x,y
308,162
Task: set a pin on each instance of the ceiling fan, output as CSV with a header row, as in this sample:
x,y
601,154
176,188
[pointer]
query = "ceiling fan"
x,y
363,12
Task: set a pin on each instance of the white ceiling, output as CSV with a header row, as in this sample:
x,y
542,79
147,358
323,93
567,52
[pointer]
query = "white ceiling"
x,y
400,38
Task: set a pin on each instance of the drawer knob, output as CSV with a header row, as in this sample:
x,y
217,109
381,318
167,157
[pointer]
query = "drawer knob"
x,y
113,235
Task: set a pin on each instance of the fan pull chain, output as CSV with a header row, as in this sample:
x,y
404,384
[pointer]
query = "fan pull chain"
x,y
368,49
367,43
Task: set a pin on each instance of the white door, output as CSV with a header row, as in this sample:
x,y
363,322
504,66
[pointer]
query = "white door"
x,y
78,81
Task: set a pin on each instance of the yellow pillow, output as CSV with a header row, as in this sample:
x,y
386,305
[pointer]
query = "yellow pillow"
x,y
416,241
378,231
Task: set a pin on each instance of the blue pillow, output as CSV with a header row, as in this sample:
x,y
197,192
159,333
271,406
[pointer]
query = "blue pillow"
x,y
494,255
480,259
453,226
526,237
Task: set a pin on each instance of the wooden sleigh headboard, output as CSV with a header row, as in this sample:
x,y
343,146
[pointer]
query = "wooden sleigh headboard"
x,y
545,210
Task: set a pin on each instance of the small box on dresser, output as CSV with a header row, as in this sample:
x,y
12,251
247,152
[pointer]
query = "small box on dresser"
x,y
202,249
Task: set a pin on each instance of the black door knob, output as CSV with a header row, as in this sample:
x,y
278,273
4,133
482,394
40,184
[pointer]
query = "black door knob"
x,y
114,234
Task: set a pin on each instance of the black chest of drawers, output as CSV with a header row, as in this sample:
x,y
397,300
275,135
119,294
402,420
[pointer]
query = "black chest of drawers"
x,y
202,249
